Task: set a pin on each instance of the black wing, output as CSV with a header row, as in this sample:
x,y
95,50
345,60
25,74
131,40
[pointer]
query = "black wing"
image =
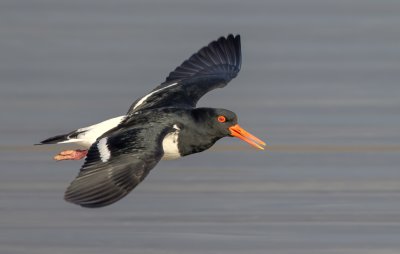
x,y
115,164
211,67
221,57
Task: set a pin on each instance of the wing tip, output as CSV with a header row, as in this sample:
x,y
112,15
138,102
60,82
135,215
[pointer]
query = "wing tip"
x,y
85,204
87,197
226,50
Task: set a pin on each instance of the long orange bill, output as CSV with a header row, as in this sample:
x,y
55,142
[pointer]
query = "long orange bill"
x,y
239,132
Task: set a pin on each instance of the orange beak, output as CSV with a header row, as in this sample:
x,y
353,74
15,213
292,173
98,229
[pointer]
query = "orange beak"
x,y
239,132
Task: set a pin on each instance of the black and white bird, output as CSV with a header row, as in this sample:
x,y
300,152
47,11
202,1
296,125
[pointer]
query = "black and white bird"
x,y
162,124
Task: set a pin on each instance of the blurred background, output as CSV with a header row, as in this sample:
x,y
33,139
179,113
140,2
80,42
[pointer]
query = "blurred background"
x,y
319,82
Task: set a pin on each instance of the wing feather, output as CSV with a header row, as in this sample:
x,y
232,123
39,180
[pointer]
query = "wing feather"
x,y
211,67
134,152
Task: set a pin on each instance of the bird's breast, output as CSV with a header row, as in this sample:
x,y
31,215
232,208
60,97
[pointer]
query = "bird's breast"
x,y
170,146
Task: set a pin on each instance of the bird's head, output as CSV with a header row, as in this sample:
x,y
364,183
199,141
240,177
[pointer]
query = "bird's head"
x,y
223,122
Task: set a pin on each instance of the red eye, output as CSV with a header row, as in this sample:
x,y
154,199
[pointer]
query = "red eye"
x,y
221,119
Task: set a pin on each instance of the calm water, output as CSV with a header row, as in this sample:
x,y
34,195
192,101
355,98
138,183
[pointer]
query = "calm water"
x,y
320,82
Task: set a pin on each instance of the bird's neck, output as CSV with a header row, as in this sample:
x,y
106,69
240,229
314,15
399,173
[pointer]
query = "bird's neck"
x,y
192,141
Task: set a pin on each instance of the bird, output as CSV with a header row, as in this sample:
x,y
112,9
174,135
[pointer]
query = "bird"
x,y
164,124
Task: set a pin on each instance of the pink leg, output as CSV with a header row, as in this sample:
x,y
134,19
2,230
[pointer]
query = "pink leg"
x,y
71,155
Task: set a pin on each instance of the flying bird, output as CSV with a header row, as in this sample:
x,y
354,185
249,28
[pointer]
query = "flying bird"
x,y
165,123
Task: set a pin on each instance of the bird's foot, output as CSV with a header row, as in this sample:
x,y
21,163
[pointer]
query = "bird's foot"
x,y
71,155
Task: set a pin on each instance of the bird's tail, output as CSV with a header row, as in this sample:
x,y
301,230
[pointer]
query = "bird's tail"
x,y
55,140
71,137
85,136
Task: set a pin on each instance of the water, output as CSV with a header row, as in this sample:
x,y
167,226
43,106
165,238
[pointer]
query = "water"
x,y
319,82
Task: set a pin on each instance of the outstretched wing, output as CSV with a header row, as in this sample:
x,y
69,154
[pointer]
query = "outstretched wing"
x,y
211,67
115,164
221,58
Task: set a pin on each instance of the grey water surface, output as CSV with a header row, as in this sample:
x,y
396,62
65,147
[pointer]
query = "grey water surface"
x,y
319,82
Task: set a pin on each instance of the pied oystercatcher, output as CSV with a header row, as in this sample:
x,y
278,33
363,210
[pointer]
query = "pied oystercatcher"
x,y
162,124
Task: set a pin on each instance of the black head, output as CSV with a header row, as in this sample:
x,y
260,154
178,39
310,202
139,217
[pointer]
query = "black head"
x,y
215,120
220,123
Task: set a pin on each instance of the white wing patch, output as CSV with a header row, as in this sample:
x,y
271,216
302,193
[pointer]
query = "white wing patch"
x,y
90,134
170,145
104,152
141,101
